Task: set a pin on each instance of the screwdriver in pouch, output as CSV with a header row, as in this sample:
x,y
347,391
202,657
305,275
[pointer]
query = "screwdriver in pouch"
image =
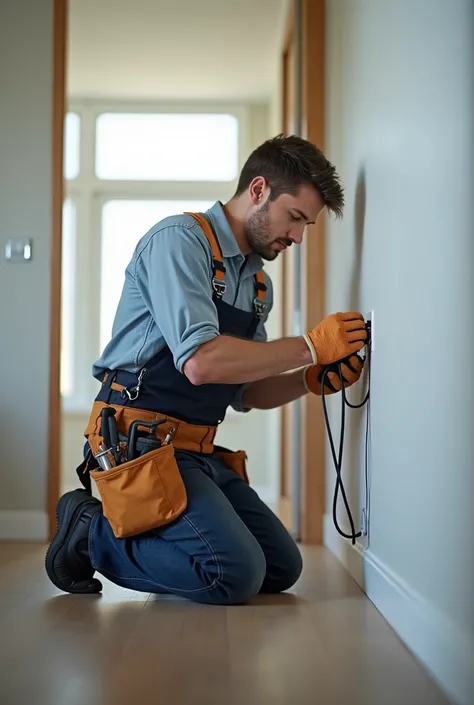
x,y
103,457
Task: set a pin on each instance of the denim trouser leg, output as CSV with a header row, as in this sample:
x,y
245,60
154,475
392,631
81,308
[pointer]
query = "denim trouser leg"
x,y
282,557
225,548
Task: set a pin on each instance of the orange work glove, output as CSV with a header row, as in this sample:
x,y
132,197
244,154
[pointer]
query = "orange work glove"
x,y
336,337
351,368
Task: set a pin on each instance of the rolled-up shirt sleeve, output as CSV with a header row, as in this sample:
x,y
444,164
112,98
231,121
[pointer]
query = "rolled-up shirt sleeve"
x,y
173,274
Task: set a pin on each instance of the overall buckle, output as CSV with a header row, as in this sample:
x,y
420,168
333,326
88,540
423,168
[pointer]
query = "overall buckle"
x,y
260,307
219,287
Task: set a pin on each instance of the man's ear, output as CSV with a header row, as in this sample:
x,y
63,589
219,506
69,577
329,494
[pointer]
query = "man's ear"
x,y
257,190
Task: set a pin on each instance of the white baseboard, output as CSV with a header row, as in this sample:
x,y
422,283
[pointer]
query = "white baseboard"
x,y
23,525
352,557
442,648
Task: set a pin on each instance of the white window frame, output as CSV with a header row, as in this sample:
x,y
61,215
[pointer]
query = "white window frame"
x,y
89,194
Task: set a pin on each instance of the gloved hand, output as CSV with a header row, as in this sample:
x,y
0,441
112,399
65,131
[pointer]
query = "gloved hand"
x,y
351,368
336,337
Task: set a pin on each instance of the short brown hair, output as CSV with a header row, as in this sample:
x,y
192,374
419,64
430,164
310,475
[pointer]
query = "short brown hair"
x,y
287,162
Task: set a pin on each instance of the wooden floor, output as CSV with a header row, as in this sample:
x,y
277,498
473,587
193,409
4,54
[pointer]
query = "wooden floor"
x,y
322,644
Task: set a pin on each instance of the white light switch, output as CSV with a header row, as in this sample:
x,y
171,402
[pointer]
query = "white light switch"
x,y
18,250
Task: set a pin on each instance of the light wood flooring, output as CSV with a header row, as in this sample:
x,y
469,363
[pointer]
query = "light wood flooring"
x,y
324,643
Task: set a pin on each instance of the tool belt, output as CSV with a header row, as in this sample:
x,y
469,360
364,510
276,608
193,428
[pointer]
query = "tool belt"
x,y
145,491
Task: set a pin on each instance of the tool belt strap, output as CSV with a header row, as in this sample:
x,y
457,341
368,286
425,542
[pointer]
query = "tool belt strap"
x,y
186,436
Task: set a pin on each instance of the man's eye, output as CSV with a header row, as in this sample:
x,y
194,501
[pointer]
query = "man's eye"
x,y
295,217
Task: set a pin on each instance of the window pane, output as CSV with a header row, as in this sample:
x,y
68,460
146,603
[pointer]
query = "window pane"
x,y
182,147
68,297
124,223
72,128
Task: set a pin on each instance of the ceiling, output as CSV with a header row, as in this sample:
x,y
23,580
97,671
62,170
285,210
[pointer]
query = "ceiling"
x,y
174,49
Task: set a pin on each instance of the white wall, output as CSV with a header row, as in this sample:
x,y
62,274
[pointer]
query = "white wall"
x,y
400,121
25,211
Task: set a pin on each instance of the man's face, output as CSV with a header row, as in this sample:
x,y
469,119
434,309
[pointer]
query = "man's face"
x,y
275,225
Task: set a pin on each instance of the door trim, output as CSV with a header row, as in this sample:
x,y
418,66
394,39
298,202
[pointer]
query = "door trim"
x,y
311,487
288,504
59,110
313,283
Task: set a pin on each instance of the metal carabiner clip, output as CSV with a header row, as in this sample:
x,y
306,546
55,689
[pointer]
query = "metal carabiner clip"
x,y
135,391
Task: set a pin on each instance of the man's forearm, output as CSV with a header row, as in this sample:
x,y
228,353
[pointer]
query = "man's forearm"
x,y
275,391
229,360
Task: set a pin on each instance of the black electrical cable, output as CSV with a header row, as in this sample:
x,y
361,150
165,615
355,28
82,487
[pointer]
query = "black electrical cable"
x,y
338,458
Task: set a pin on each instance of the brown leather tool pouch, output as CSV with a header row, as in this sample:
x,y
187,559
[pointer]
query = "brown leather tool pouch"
x,y
235,460
141,494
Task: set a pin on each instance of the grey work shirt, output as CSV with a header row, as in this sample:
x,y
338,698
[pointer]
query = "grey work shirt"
x,y
167,294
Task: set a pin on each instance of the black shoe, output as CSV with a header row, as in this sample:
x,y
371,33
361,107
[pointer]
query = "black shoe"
x,y
67,559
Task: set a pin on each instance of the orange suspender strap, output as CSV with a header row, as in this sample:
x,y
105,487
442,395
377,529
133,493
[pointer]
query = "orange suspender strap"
x,y
218,283
259,301
260,284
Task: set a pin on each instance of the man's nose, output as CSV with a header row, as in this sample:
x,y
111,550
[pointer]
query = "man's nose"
x,y
296,235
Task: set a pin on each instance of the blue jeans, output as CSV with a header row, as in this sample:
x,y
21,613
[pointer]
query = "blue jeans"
x,y
225,548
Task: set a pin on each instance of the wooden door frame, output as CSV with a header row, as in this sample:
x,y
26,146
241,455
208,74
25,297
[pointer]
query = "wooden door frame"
x,y
59,110
285,504
311,92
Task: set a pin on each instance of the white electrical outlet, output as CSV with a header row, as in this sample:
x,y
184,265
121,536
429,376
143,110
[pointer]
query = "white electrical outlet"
x,y
370,317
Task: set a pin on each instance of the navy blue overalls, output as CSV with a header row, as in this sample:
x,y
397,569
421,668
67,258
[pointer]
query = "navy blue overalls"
x,y
227,545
